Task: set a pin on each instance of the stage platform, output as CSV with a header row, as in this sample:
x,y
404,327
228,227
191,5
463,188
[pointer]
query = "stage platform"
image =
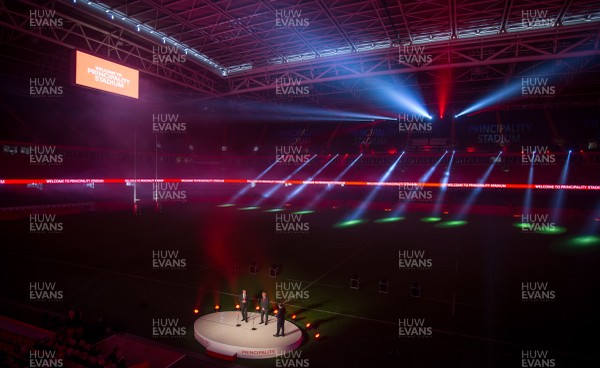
x,y
222,339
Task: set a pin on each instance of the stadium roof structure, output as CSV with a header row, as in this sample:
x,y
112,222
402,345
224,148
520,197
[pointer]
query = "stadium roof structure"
x,y
240,48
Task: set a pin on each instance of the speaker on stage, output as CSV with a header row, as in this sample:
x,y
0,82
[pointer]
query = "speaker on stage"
x,y
354,282
274,270
384,286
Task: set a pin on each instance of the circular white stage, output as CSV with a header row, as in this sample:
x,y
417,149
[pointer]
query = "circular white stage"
x,y
222,339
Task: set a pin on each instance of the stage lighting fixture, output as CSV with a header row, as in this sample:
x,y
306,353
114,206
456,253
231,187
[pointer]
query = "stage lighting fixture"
x,y
196,311
317,336
308,325
293,316
255,149
217,307
223,148
256,308
275,311
237,306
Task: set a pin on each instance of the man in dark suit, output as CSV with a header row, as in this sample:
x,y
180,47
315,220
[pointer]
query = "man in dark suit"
x,y
280,320
264,308
244,300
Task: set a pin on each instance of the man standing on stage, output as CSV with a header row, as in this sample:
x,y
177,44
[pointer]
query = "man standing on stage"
x,y
244,305
280,320
264,308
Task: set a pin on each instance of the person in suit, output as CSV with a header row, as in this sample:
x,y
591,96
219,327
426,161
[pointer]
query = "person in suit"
x,y
264,308
244,300
280,320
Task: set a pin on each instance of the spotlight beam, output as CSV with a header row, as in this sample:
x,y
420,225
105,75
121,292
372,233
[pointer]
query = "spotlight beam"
x,y
365,203
277,186
423,179
316,201
529,191
303,186
245,189
444,186
559,196
462,213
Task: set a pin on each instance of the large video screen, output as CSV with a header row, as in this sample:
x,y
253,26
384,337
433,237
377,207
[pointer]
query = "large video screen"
x,y
104,75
